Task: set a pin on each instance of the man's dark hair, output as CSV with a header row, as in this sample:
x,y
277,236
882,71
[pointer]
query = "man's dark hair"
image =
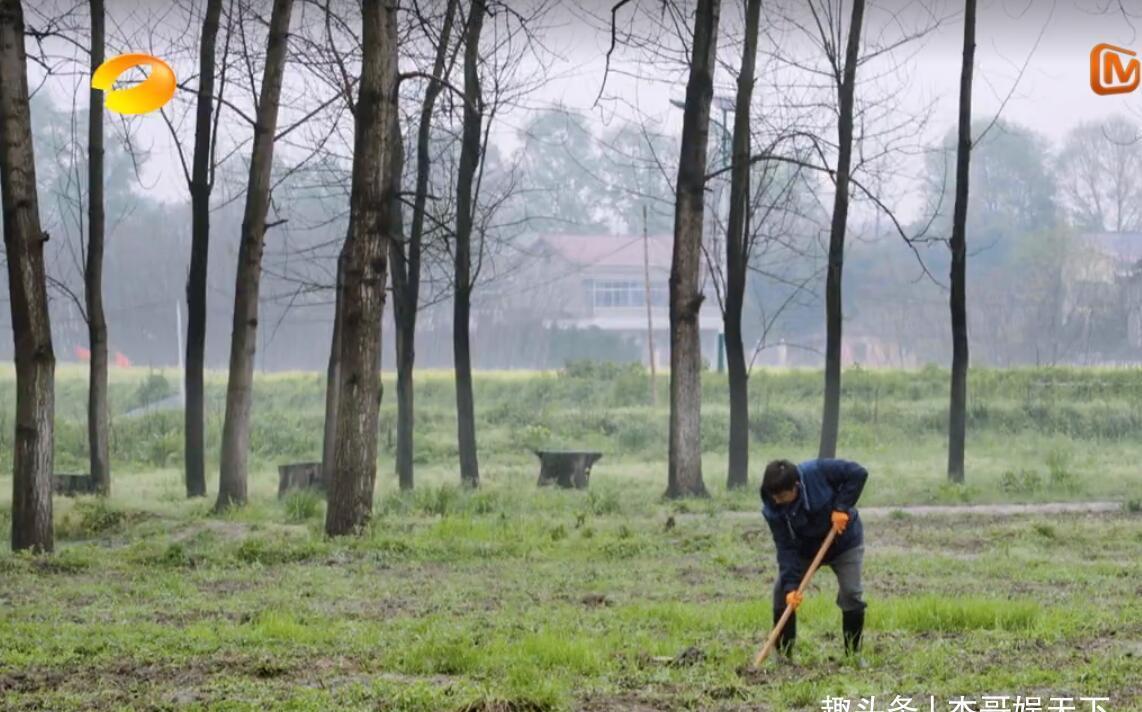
x,y
780,476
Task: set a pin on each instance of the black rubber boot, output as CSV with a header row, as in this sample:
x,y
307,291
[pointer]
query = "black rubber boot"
x,y
852,625
788,633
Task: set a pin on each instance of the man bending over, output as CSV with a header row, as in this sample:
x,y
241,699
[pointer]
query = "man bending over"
x,y
801,503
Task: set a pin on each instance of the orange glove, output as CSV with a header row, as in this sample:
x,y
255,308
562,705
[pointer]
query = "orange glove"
x,y
840,521
793,599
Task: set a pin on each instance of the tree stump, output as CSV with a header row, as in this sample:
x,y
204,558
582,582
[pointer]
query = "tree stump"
x,y
566,468
71,485
299,476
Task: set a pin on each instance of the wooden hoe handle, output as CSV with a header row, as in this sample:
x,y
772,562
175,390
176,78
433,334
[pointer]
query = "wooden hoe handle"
x,y
772,640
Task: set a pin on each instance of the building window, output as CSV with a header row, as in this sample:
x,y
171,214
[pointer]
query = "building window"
x,y
610,293
617,294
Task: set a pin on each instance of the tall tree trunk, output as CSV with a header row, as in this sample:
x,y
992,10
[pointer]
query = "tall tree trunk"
x,y
243,339
405,323
957,415
737,257
27,284
406,267
201,184
830,421
685,467
365,256
97,409
462,298
333,384
405,333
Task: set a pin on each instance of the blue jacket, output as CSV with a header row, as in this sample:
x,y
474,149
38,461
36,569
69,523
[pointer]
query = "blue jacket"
x,y
800,527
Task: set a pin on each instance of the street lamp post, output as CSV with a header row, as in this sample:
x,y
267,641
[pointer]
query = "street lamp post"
x,y
726,104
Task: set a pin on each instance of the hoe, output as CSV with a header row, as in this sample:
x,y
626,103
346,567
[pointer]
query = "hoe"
x,y
772,640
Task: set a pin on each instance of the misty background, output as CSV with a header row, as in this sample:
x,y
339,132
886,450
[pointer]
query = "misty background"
x,y
1054,232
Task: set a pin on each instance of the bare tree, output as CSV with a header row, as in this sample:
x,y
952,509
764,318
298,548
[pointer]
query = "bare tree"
x,y
31,326
844,74
329,58
870,134
462,253
406,259
685,461
1098,174
417,263
692,55
365,267
737,257
957,413
435,211
243,340
97,409
201,185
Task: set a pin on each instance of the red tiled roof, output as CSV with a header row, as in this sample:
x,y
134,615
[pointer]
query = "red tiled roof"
x,y
611,250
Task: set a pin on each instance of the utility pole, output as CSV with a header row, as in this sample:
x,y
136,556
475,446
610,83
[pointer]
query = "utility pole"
x,y
649,314
725,156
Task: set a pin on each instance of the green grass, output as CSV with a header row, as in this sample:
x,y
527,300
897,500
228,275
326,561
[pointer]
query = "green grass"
x,y
458,600
1034,434
515,598
940,614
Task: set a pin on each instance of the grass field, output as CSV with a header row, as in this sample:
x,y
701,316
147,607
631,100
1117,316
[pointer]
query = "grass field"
x,y
517,598
1034,434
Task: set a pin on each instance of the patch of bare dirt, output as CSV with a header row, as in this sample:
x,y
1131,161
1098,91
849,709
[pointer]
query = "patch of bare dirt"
x,y
1114,644
749,572
128,683
504,706
226,530
228,586
692,575
624,702
595,600
18,681
234,531
183,619
117,684
379,609
720,699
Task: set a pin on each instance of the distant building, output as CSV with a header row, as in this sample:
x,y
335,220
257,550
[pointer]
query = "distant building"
x,y
1103,279
857,349
599,282
1106,257
1134,306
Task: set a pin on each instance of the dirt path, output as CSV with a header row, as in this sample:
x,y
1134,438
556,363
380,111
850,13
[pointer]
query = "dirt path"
x,y
969,509
997,509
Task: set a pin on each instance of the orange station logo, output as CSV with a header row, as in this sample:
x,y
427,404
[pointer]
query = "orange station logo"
x,y
149,95
1114,70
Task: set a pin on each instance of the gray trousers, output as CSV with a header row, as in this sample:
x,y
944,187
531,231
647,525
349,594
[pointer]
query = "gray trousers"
x,y
847,568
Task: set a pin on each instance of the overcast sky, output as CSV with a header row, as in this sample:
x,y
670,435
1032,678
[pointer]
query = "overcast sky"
x,y
1049,41
1052,95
